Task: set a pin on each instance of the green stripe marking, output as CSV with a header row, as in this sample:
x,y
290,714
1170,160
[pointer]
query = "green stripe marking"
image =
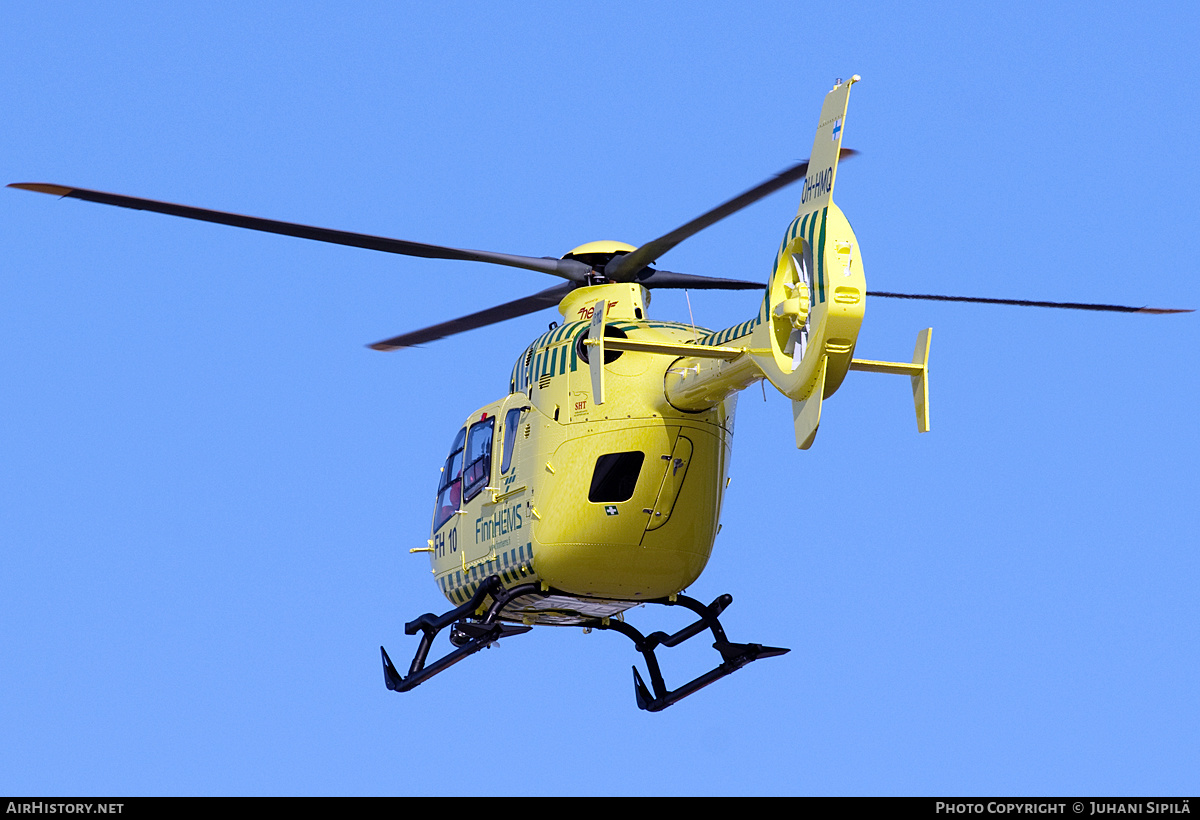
x,y
821,255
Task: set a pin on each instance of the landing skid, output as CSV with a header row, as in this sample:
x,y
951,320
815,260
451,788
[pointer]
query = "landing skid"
x,y
734,655
470,633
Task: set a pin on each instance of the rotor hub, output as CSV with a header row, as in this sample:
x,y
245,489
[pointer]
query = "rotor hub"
x,y
597,255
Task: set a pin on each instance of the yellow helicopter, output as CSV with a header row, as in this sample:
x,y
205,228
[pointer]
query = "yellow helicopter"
x,y
595,485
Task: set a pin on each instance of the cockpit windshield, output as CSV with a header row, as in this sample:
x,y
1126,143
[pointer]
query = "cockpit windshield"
x,y
450,484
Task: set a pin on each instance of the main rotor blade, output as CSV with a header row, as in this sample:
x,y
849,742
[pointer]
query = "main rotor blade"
x,y
623,268
570,269
509,310
669,279
930,297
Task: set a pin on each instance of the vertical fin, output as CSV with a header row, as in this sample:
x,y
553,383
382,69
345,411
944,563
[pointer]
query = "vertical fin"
x,y
827,146
819,258
806,412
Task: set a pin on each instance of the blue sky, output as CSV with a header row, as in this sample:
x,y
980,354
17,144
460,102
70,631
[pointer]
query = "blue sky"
x,y
210,485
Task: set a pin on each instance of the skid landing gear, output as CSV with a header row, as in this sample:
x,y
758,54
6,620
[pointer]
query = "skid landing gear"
x,y
469,636
734,655
470,633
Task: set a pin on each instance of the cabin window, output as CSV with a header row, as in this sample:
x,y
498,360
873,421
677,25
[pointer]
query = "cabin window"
x,y
615,477
478,457
512,421
450,483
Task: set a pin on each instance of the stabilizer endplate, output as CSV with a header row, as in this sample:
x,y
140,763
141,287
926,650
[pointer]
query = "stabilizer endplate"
x,y
918,372
920,381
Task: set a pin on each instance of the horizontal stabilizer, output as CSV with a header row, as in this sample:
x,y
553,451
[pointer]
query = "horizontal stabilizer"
x,y
918,371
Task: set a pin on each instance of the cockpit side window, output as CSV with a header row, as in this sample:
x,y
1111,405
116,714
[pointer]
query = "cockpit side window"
x,y
478,457
450,483
512,423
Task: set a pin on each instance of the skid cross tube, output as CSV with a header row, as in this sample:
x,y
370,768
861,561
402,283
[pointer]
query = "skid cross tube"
x,y
469,637
733,655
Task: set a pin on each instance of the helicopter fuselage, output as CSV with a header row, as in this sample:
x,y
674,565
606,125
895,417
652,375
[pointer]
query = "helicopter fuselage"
x,y
610,504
